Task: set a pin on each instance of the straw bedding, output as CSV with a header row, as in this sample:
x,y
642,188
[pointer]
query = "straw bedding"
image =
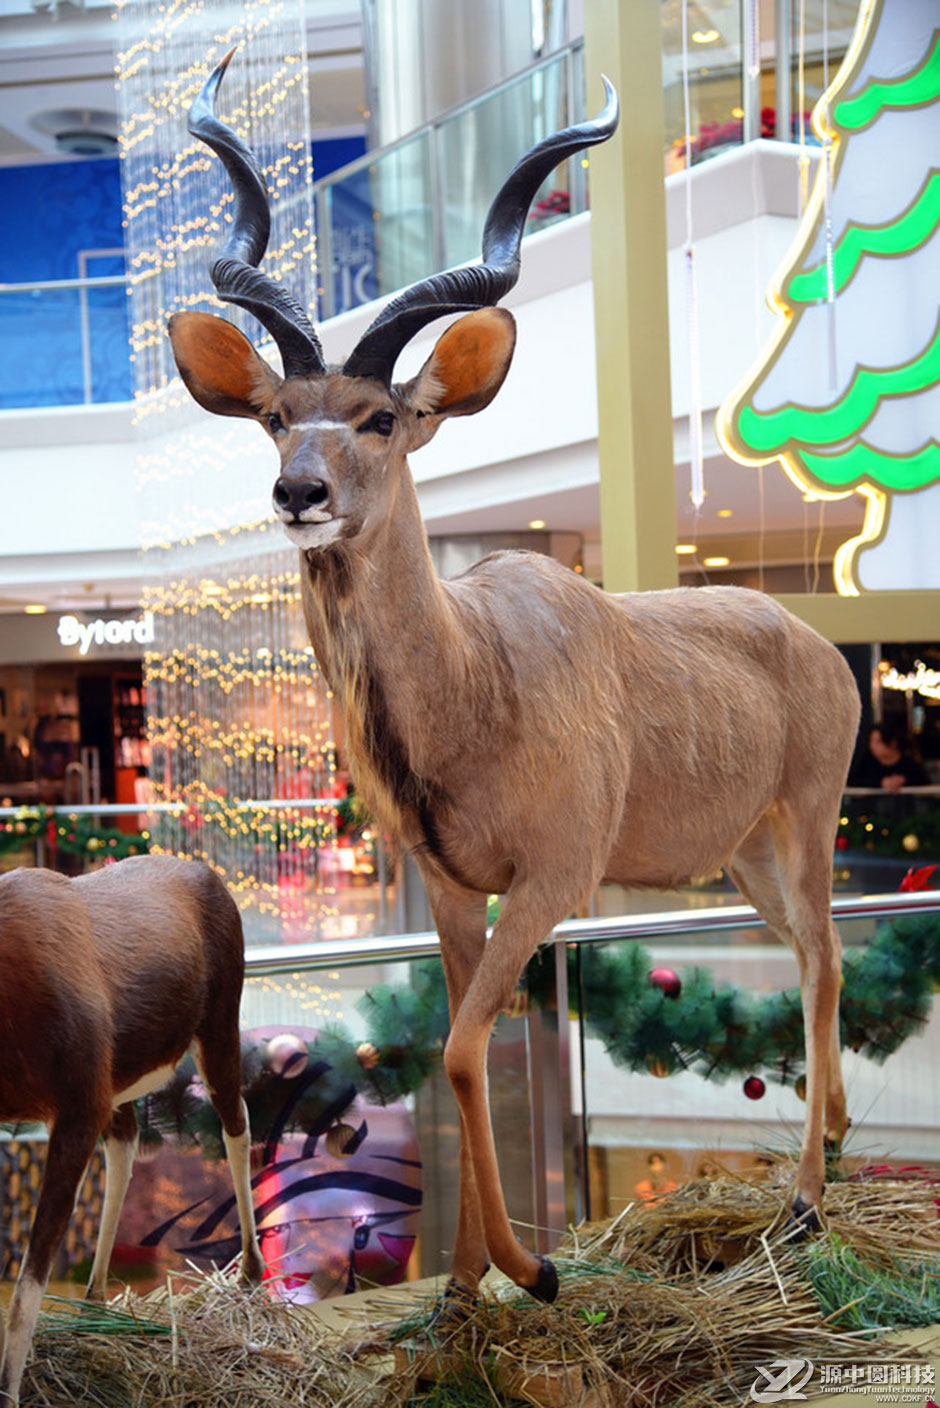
x,y
671,1304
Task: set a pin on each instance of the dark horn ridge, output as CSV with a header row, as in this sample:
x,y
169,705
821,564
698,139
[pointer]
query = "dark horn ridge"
x,y
234,273
479,285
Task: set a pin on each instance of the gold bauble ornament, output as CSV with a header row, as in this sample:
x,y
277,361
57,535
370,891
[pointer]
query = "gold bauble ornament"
x,y
368,1055
340,1141
910,842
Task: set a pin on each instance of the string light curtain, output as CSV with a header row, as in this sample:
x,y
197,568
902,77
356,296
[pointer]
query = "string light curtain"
x,y
238,713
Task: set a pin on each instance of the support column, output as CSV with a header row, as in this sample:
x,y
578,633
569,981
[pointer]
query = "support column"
x,y
628,236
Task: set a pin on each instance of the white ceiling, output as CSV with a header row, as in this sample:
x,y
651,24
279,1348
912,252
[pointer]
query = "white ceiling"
x,y
57,55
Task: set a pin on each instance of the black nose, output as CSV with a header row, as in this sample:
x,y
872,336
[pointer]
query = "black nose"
x,y
295,495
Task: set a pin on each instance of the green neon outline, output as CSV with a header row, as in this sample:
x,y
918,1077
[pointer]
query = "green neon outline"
x,y
770,431
863,461
916,90
897,237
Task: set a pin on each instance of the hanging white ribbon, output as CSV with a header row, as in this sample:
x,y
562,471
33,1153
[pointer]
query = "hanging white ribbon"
x,y
696,461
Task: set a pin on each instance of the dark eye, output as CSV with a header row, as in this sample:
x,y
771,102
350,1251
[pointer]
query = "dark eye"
x,y
275,424
379,423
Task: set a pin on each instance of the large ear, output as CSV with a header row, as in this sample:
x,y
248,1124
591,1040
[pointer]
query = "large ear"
x,y
467,367
220,367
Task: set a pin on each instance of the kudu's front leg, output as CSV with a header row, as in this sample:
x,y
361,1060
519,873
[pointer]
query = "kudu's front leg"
x,y
460,917
527,918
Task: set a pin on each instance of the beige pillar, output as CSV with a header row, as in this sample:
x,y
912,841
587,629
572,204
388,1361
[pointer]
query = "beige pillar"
x,y
628,235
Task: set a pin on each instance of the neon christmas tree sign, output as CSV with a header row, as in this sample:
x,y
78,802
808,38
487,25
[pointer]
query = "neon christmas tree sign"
x,y
846,394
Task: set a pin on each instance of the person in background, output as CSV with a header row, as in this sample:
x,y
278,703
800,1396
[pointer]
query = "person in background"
x,y
888,764
657,1182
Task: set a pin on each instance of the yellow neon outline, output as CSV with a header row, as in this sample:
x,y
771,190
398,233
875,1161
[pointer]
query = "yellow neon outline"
x,y
788,315
873,528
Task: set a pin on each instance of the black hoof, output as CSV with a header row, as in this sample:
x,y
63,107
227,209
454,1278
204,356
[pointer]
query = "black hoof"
x,y
546,1284
804,1221
457,1304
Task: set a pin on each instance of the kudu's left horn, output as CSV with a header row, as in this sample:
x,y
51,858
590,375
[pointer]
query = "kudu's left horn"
x,y
480,285
235,273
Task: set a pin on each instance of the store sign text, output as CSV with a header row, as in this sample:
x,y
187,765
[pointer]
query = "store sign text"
x,y
85,634
921,680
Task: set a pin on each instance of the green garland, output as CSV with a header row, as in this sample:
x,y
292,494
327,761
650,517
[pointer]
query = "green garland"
x,y
716,1030
27,826
75,835
407,1029
905,837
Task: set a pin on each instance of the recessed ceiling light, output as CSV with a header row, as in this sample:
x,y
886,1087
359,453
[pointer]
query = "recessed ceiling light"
x,y
685,549
705,36
536,523
35,608
726,513
717,561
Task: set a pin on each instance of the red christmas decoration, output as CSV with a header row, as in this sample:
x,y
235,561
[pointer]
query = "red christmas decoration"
x,y
842,843
754,1088
920,878
668,982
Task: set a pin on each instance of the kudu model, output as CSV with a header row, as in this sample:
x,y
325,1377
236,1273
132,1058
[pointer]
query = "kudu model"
x,y
105,981
523,732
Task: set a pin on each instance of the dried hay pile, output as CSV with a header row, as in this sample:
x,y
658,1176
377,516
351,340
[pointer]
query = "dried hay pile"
x,y
676,1302
214,1343
672,1304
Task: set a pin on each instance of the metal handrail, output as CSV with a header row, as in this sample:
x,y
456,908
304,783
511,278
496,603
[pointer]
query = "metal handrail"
x,y
267,960
56,285
272,804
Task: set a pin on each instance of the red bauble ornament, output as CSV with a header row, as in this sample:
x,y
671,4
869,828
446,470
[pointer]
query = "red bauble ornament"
x,y
668,982
842,843
286,1055
754,1088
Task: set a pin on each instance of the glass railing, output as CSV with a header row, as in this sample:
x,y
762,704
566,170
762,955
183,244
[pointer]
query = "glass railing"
x,y
418,206
64,343
355,1126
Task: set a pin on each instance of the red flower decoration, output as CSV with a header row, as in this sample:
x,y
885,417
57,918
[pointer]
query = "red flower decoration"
x,y
919,878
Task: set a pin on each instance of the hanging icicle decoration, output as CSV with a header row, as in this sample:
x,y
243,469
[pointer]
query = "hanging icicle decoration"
x,y
827,217
753,46
696,460
803,159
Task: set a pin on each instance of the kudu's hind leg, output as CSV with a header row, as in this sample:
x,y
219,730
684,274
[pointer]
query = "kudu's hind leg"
x,y
217,1053
788,879
460,917
120,1147
71,1143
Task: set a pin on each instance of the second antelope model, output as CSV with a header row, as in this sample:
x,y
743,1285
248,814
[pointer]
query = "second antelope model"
x,y
523,732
